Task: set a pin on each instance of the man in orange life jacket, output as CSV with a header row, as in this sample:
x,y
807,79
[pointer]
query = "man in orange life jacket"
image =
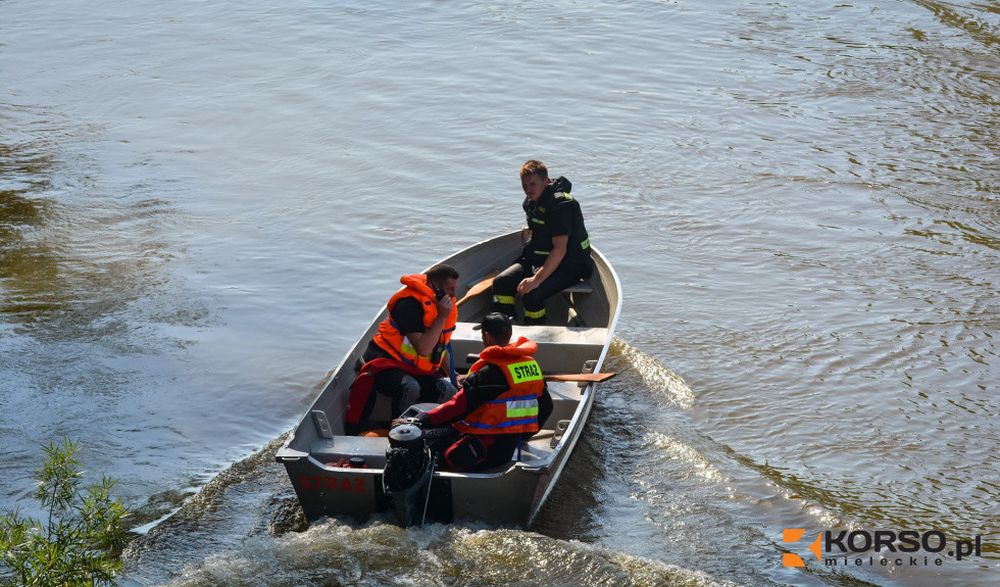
x,y
558,253
503,401
404,359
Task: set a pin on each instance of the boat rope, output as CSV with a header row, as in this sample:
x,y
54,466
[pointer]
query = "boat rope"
x,y
430,483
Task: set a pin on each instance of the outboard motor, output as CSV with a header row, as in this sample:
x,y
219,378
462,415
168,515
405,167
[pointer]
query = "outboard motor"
x,y
409,467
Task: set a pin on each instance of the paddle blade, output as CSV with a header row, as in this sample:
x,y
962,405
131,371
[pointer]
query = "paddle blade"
x,y
586,377
477,289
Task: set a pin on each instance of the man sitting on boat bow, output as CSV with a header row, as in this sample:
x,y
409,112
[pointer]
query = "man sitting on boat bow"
x,y
404,359
502,402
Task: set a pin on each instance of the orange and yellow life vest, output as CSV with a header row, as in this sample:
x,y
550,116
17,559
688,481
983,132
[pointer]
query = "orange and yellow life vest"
x,y
393,341
515,410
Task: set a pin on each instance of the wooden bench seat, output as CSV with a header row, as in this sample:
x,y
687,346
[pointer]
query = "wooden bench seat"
x,y
581,287
540,334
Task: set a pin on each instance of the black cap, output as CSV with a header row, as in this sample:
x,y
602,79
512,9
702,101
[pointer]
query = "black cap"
x,y
497,324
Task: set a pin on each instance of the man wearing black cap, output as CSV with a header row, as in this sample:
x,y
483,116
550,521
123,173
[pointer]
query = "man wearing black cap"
x,y
503,401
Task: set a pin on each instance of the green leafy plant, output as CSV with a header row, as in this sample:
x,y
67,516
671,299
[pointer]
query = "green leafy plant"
x,y
82,540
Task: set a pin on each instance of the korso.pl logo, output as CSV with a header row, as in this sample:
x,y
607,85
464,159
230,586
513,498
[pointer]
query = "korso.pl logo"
x,y
881,547
794,535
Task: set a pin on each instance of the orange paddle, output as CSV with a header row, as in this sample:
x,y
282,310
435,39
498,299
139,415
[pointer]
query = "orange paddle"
x,y
479,288
588,377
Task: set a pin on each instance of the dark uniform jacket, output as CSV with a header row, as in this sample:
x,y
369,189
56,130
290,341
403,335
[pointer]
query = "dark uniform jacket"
x,y
556,213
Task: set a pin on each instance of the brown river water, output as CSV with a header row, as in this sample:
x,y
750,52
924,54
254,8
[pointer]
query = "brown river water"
x,y
202,205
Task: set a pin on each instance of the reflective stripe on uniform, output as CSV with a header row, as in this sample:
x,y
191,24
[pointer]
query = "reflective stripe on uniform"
x,y
585,244
410,352
542,253
538,221
522,409
538,314
503,299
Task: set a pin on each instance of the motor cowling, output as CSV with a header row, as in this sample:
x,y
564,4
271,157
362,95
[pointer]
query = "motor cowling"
x,y
408,436
407,460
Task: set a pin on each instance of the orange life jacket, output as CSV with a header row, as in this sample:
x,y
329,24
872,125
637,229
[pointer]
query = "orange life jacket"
x,y
515,410
393,341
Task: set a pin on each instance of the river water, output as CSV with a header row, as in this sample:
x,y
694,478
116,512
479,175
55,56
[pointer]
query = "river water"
x,y
203,203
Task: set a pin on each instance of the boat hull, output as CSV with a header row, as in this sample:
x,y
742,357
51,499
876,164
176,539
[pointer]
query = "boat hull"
x,y
317,451
511,497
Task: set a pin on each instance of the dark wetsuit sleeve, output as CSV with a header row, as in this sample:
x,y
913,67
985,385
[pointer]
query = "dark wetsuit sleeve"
x,y
560,219
408,315
544,406
480,387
